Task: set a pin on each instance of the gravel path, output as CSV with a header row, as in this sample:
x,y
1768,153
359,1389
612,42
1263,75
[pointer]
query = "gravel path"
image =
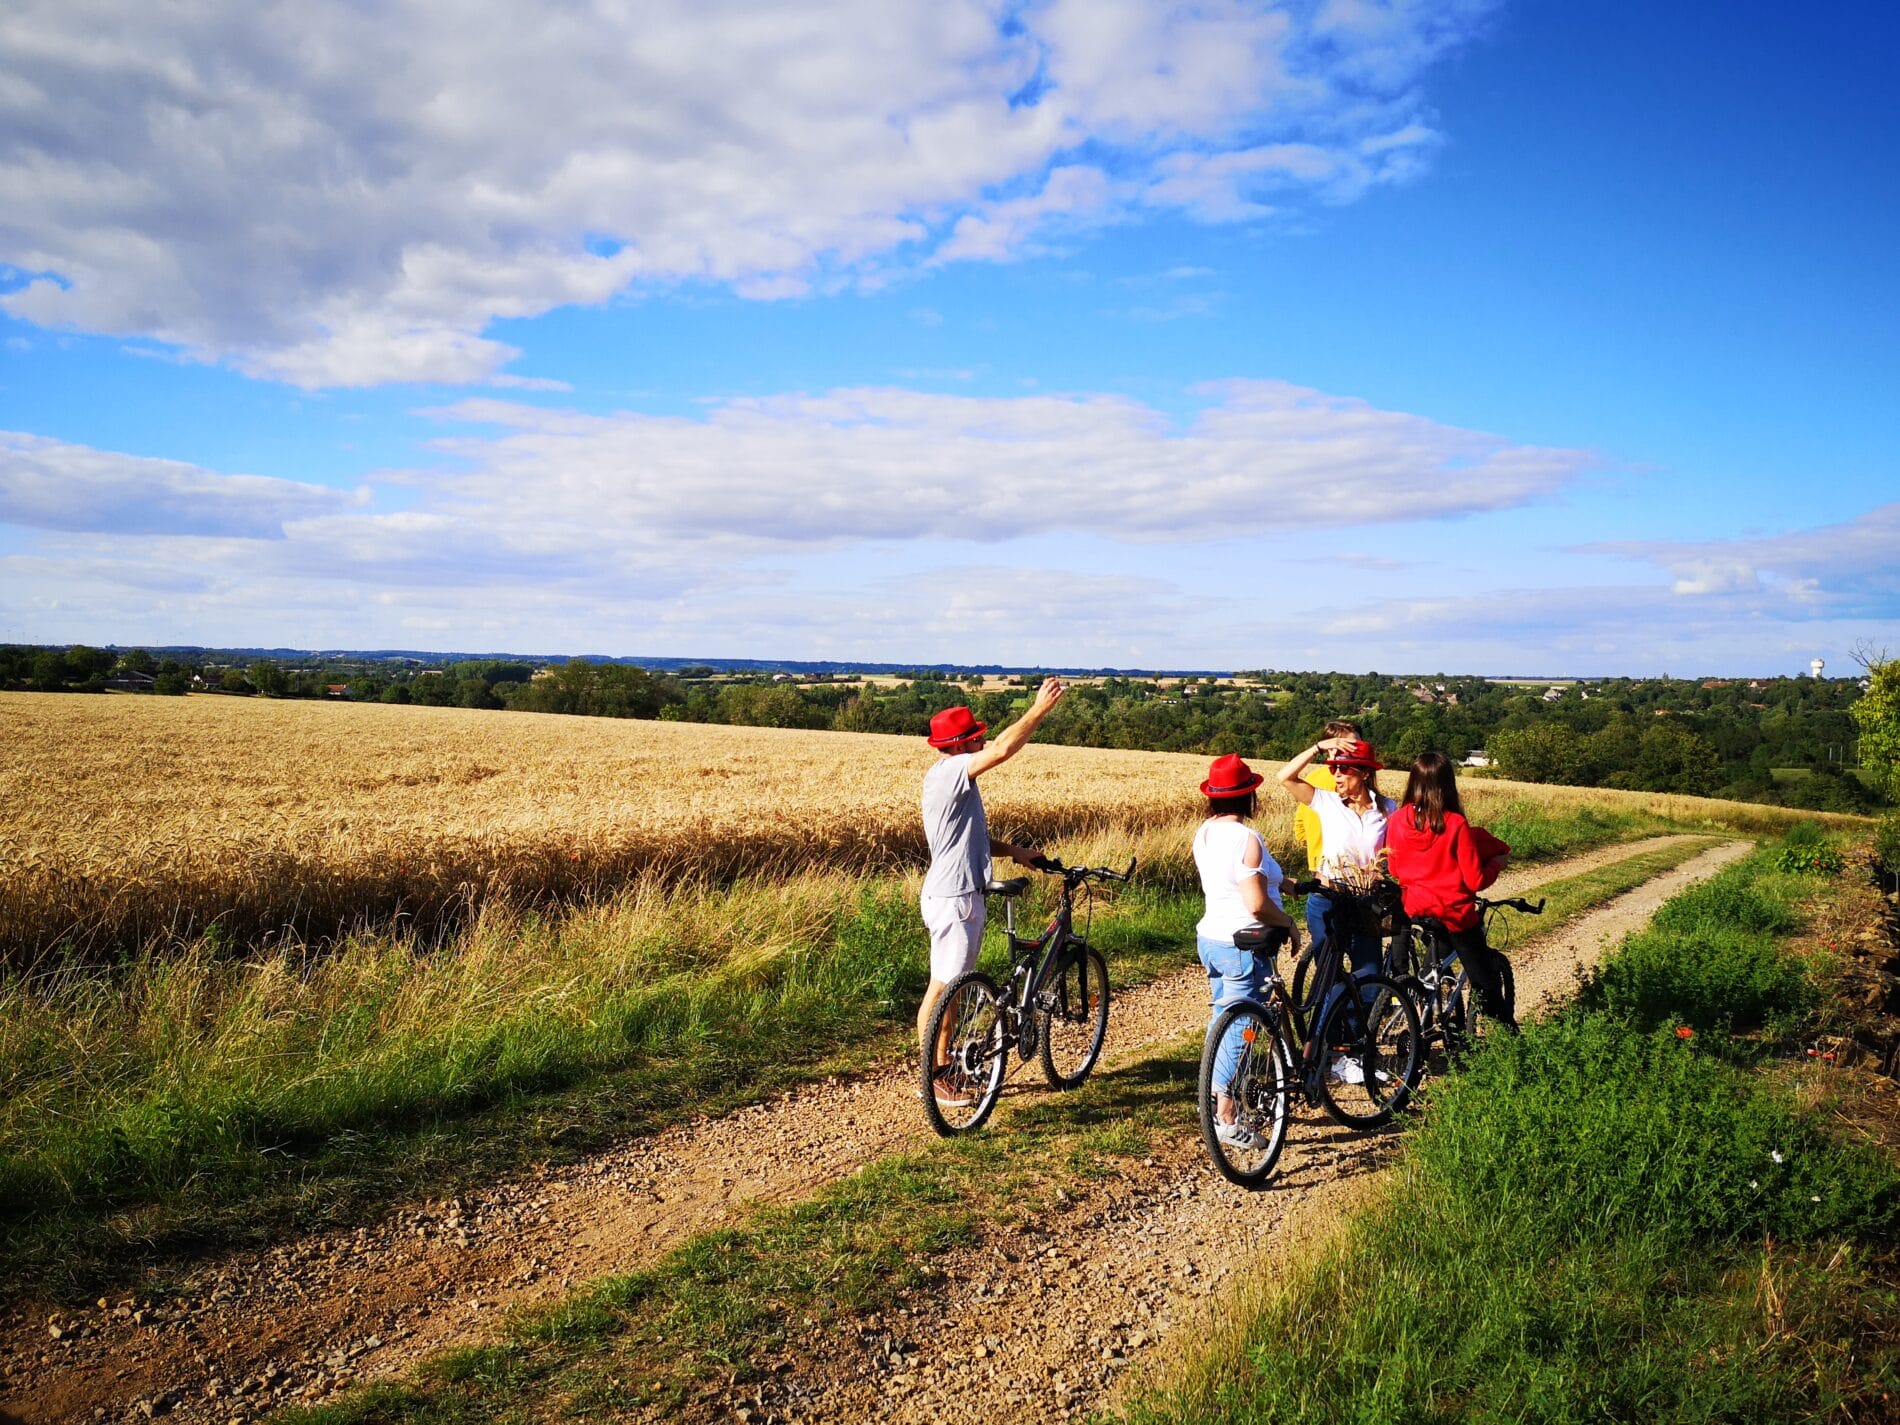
x,y
256,1330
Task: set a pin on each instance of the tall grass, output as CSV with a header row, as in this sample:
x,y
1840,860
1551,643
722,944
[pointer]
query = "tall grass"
x,y
130,823
1602,1220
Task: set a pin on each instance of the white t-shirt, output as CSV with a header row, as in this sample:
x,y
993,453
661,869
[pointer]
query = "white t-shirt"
x,y
956,828
1347,837
1219,849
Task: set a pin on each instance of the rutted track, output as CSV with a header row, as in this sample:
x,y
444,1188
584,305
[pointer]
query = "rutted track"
x,y
251,1331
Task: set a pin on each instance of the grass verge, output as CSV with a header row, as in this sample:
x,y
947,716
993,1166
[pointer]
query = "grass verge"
x,y
1605,1219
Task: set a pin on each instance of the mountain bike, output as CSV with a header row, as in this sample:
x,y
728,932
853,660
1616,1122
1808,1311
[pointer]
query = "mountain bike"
x,y
1426,964
1054,1004
1353,1050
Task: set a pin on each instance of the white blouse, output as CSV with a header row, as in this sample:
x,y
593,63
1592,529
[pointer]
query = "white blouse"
x,y
1348,837
1219,849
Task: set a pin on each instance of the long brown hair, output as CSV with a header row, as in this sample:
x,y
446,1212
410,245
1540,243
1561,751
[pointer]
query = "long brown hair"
x,y
1431,790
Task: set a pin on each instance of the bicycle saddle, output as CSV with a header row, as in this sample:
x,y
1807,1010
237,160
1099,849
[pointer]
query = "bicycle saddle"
x,y
1012,887
1261,939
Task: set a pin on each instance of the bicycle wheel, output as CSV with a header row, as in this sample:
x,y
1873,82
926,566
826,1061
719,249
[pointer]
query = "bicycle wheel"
x,y
1261,1088
1466,1023
962,1086
1076,1021
1370,1048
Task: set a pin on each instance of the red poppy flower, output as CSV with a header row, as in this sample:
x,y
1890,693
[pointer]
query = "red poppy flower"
x,y
1683,1031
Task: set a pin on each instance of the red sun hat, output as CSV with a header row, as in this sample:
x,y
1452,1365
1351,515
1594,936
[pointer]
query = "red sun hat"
x,y
1229,776
954,725
1362,756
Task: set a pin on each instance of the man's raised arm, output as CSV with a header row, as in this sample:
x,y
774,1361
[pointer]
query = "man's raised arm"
x,y
1012,739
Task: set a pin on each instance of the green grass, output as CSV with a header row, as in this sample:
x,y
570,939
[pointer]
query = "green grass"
x,y
1602,1220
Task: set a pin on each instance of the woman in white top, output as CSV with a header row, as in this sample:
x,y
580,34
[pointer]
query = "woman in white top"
x,y
1242,883
1352,828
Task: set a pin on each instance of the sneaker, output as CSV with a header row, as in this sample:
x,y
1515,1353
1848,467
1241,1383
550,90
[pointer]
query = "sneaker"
x,y
1238,1135
1346,1070
949,1093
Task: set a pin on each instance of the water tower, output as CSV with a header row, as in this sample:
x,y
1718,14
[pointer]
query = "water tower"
x,y
1815,665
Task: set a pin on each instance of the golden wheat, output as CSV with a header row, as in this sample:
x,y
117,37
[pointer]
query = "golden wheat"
x,y
126,819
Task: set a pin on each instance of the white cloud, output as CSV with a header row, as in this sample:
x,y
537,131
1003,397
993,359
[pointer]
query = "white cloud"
x,y
48,484
899,464
554,518
349,195
1850,566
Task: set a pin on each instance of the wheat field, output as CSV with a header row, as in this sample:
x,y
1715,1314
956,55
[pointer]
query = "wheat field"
x,y
129,820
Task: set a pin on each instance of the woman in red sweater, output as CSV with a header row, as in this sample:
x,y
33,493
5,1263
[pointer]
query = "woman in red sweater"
x,y
1441,862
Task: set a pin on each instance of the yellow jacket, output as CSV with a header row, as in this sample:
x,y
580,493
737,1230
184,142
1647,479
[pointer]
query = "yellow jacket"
x,y
1306,820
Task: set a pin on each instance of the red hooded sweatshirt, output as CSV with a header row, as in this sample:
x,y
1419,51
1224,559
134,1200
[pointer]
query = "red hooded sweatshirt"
x,y
1440,872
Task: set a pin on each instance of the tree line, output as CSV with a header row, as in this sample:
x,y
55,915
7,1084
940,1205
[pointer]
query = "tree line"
x,y
1792,741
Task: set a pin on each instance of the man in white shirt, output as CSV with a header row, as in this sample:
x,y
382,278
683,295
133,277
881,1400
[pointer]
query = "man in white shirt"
x,y
959,836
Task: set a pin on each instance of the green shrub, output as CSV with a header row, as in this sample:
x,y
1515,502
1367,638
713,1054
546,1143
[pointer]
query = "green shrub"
x,y
1804,833
1813,860
1887,844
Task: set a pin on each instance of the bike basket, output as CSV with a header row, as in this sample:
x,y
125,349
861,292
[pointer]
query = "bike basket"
x,y
1361,916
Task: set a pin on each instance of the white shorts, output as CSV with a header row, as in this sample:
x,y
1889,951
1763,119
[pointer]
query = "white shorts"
x,y
955,924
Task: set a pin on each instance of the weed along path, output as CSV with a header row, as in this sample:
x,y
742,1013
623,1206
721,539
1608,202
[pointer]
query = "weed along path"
x,y
1120,1268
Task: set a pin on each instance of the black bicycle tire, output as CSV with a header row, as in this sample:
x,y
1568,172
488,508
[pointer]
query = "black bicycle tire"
x,y
1303,977
1092,958
1279,1093
999,1060
1407,1079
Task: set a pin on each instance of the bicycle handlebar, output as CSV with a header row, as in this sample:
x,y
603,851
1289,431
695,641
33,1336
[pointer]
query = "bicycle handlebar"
x,y
1075,875
1512,903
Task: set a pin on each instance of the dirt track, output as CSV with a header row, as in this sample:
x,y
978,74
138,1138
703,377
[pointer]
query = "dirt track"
x,y
257,1330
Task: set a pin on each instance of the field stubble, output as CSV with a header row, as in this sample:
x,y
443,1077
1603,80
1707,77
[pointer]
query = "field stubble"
x,y
132,822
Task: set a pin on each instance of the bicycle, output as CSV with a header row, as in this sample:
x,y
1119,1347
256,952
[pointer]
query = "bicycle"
x,y
1054,1004
1425,962
1359,1062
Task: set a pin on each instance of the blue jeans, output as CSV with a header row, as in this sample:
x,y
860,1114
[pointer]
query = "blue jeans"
x,y
1364,951
1235,975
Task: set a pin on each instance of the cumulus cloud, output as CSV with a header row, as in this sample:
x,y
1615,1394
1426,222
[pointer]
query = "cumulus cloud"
x,y
1849,566
48,484
349,195
897,464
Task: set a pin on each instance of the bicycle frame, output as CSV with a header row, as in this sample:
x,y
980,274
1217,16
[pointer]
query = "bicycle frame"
x,y
1278,998
1034,959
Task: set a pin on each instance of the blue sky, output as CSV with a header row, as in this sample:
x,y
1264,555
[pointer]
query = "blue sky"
x,y
1477,337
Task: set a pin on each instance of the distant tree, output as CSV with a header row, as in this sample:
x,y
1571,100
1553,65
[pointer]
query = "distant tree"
x,y
232,681
269,679
1543,752
137,660
1674,758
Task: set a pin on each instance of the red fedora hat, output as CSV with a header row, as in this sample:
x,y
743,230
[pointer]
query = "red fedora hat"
x,y
1361,756
1229,776
954,725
